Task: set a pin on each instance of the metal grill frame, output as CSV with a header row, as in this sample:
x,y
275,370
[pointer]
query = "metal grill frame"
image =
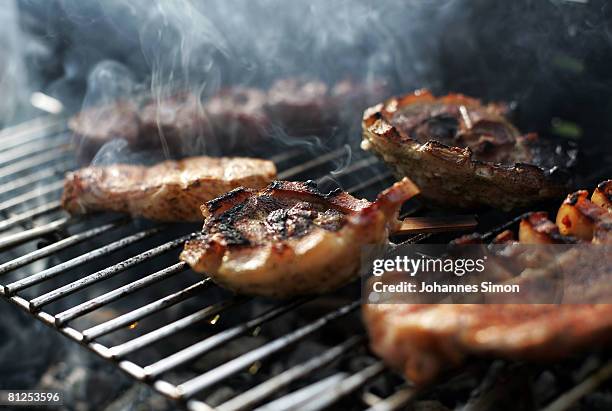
x,y
24,149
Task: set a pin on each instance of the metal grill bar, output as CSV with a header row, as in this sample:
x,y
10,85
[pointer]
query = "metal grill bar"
x,y
345,387
22,151
190,388
94,303
396,401
58,246
74,262
30,131
202,347
308,165
29,215
33,162
373,180
31,195
565,401
30,179
264,390
27,235
158,334
144,311
113,270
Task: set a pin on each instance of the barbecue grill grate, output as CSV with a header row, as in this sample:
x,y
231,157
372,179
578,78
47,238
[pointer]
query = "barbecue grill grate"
x,y
36,154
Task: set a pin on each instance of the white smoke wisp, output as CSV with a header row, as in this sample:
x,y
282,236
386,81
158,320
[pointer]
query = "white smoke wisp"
x,y
13,79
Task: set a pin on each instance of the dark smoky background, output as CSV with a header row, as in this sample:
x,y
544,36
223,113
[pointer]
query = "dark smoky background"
x,y
552,58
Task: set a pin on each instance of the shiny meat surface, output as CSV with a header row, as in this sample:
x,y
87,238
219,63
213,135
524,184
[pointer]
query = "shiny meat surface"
x,y
289,238
462,153
169,191
423,340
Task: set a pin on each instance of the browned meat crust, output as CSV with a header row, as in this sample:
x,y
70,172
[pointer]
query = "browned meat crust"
x,y
463,153
169,191
290,239
424,339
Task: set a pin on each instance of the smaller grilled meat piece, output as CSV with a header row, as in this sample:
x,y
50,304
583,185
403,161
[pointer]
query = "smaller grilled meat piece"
x,y
462,153
238,115
168,191
173,124
93,127
301,107
290,239
424,339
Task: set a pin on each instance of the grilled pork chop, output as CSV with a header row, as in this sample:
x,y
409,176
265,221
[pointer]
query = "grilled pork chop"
x,y
463,153
168,191
290,239
423,339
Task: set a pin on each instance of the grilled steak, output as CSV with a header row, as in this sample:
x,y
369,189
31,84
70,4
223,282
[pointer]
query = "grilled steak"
x,y
168,191
290,239
423,339
173,123
463,153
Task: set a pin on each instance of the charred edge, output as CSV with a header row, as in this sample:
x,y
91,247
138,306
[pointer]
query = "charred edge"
x,y
225,224
393,133
573,198
215,204
309,187
606,189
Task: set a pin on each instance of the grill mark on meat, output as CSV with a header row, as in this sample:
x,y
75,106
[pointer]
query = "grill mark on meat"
x,y
282,218
289,238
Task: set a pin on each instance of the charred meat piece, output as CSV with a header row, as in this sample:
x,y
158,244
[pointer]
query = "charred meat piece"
x,y
301,107
424,339
168,191
172,123
578,216
96,126
463,153
238,114
290,239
